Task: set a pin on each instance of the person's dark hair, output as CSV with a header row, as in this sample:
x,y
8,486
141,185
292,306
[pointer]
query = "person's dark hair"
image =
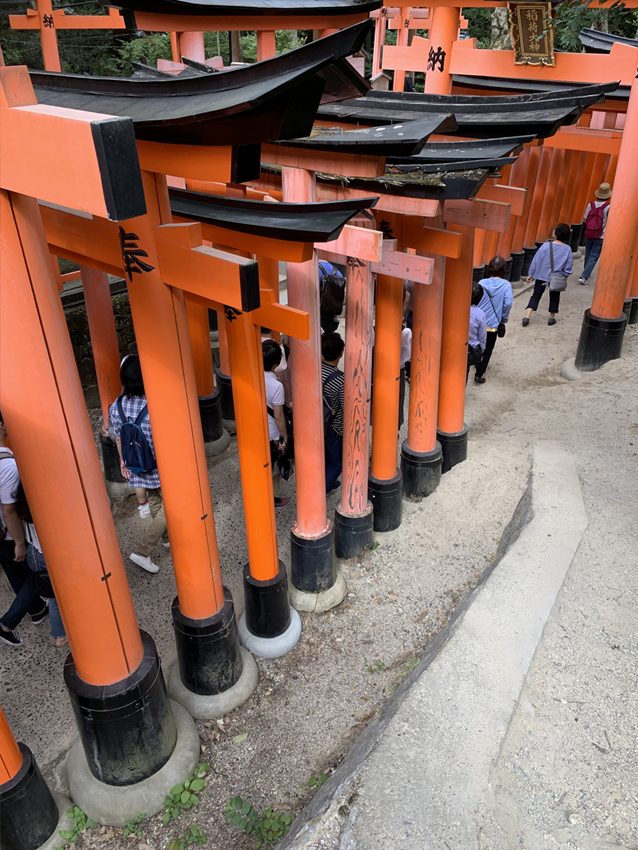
x,y
477,294
332,346
562,232
21,505
272,354
131,376
496,267
265,330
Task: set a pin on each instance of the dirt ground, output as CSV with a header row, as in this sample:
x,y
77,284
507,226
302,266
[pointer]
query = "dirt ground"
x,y
311,705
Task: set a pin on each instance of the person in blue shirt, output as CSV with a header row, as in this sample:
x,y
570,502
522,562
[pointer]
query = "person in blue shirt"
x,y
540,271
496,303
477,336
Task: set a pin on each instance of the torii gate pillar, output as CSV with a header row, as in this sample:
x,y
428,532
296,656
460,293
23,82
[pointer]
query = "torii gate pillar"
x,y
443,33
604,324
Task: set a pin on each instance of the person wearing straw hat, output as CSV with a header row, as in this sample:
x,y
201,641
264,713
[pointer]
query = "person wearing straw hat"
x,y
595,222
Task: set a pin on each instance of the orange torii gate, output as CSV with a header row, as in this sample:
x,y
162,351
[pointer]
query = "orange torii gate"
x,y
442,55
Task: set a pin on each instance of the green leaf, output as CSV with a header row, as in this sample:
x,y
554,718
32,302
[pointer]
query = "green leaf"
x,y
176,789
203,766
194,800
185,796
64,833
246,808
239,738
198,785
258,843
166,819
90,824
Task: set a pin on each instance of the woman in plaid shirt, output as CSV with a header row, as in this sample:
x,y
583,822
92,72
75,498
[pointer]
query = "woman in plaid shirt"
x,y
133,402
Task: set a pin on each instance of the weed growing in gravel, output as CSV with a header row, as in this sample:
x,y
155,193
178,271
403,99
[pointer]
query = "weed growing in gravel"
x,y
132,826
193,835
80,823
268,828
183,797
317,781
373,666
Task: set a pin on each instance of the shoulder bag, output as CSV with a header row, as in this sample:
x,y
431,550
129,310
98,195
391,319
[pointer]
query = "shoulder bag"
x,y
500,330
557,280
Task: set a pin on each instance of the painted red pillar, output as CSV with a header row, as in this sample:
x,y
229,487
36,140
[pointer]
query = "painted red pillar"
x,y
353,515
312,561
48,37
443,33
421,454
191,45
604,325
457,293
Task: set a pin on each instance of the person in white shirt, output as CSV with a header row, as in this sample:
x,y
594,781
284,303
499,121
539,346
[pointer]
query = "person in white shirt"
x,y
275,399
13,552
406,354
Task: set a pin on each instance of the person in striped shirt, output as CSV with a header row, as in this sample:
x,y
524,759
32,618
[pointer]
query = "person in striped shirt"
x,y
332,380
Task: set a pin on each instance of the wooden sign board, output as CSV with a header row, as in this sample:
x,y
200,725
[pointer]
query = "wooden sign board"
x,y
532,33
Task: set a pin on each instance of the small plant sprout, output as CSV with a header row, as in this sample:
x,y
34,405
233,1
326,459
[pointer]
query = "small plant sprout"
x,y
373,666
80,823
267,829
193,835
183,797
132,826
317,781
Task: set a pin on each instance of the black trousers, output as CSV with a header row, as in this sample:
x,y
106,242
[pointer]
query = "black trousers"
x,y
481,366
554,296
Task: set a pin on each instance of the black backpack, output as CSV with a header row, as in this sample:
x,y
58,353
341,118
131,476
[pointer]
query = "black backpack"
x,y
332,290
136,452
328,413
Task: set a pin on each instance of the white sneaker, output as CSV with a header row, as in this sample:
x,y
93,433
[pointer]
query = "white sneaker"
x,y
166,545
144,563
145,510
582,280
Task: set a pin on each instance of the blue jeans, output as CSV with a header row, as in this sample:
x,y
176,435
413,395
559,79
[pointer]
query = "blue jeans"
x,y
36,562
27,600
334,458
593,247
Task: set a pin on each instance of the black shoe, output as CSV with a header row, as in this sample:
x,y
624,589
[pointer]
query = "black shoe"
x,y
479,379
281,502
525,322
11,638
551,321
36,619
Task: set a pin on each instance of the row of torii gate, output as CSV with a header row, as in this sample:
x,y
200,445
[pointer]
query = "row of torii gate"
x,y
113,672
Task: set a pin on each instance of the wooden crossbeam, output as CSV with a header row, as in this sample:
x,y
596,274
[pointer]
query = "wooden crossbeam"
x,y
347,164
61,21
488,215
433,240
151,22
225,164
90,163
356,242
277,317
584,139
391,262
512,195
399,58
386,203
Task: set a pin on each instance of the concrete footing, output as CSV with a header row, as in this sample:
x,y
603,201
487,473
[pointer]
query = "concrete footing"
x,y
230,425
273,647
216,447
569,371
117,492
113,805
64,822
384,538
317,603
211,706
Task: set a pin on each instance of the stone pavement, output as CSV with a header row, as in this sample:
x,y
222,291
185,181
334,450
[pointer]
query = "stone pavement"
x,y
518,729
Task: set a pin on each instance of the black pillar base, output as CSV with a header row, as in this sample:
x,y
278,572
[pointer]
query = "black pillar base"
x,y
626,308
538,245
127,729
352,533
633,313
208,651
600,341
210,411
312,561
421,472
267,604
477,273
226,392
517,265
581,241
574,242
387,501
527,260
28,812
111,460
453,447
508,269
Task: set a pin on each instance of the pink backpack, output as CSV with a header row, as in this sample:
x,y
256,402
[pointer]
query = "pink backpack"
x,y
595,221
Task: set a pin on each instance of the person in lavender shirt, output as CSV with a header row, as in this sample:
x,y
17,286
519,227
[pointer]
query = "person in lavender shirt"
x,y
477,337
540,271
496,303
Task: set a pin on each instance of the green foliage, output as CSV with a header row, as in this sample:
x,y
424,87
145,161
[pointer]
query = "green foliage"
x,y
317,781
80,823
183,797
147,49
266,829
479,26
193,835
132,826
571,16
373,666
